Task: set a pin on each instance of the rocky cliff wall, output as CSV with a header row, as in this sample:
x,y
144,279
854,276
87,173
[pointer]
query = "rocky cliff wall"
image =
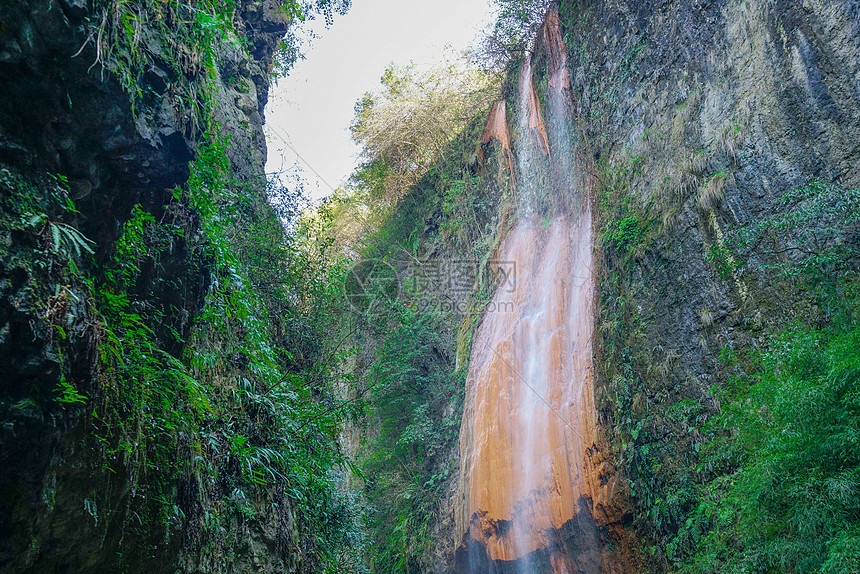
x,y
104,105
692,120
695,118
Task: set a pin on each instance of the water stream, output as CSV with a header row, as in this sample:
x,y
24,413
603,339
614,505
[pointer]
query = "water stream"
x,y
529,414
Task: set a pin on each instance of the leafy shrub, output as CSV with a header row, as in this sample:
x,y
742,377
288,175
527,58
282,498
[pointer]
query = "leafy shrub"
x,y
623,235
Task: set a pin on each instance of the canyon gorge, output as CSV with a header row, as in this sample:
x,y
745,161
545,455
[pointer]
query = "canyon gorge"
x,y
589,302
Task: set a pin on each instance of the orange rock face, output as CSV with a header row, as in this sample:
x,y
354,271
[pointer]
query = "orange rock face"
x,y
552,40
534,485
497,128
529,417
535,115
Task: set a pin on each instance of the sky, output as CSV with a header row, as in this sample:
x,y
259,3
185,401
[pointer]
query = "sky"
x,y
312,108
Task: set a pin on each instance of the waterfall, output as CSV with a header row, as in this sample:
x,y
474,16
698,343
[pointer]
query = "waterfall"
x,y
529,413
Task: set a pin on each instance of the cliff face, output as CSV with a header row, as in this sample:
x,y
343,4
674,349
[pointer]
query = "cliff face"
x,y
713,110
104,106
692,120
696,118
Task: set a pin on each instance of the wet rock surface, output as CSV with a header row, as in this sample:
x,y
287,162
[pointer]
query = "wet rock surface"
x,y
704,113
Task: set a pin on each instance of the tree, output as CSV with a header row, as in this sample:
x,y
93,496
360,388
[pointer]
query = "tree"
x,y
516,26
405,126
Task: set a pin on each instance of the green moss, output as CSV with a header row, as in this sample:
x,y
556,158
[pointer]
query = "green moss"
x,y
623,235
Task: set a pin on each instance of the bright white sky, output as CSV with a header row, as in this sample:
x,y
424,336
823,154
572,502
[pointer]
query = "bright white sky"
x,y
313,107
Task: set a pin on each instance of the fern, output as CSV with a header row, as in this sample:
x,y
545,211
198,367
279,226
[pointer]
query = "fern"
x,y
68,241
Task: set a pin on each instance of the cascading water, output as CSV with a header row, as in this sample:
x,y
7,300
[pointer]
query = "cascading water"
x,y
529,415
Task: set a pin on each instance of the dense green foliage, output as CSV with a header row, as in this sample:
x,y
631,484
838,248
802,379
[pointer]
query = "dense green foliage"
x,y
238,398
235,406
788,439
416,406
193,340
419,200
785,449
